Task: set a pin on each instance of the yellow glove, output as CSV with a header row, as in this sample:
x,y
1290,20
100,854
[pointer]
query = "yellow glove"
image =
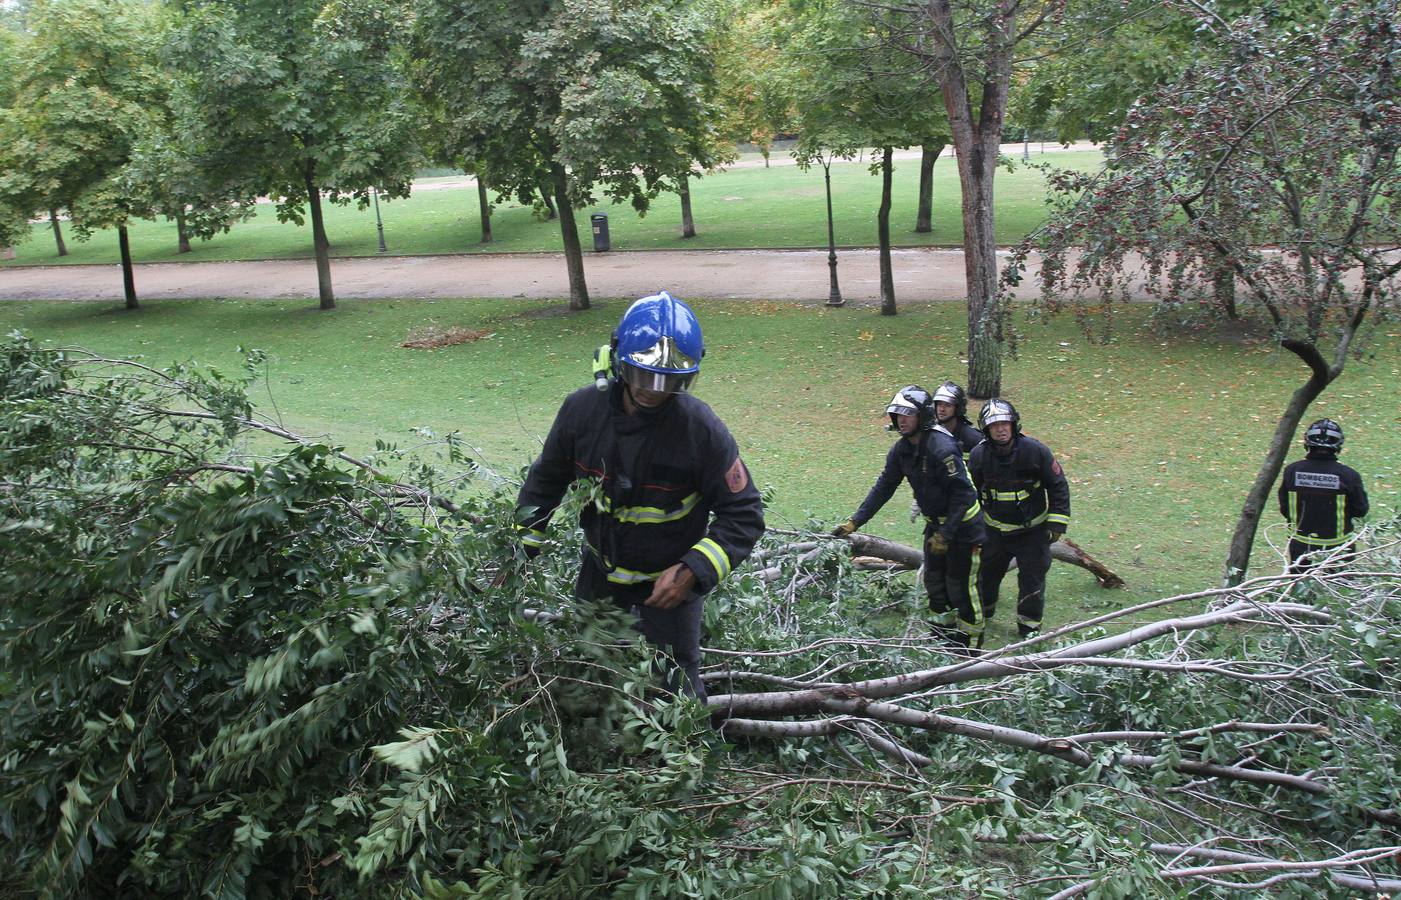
x,y
844,529
937,544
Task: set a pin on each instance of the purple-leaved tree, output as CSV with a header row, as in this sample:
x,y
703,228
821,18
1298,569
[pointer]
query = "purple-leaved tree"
x,y
1274,159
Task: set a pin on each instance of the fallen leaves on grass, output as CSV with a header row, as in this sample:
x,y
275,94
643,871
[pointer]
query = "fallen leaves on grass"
x,y
431,337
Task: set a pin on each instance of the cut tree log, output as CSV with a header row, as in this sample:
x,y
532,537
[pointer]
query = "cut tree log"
x,y
1063,550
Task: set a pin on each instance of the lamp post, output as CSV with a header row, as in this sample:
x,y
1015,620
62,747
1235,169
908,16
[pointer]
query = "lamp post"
x,y
379,224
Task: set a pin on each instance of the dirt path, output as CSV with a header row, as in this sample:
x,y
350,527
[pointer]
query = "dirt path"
x,y
921,275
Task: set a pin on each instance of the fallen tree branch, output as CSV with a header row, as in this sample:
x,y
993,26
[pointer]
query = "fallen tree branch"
x,y
807,701
1063,550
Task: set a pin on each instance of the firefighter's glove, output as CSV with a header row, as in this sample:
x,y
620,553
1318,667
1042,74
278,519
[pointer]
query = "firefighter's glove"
x,y
844,529
1052,535
937,545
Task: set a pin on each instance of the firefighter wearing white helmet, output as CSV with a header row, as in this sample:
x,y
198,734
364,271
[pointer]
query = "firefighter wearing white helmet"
x,y
930,459
675,509
1320,497
1026,504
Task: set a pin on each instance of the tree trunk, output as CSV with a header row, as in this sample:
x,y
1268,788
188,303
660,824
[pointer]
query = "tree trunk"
x,y
1223,278
976,138
1243,540
887,275
688,224
550,212
485,206
182,236
976,170
1223,290
1063,550
58,232
834,293
320,244
128,274
929,154
569,231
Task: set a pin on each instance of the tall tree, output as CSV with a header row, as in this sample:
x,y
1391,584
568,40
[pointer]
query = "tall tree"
x,y
971,48
300,98
172,175
1301,128
855,93
928,156
88,85
756,89
585,96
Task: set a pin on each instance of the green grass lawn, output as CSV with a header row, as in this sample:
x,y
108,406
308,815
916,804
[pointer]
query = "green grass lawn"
x,y
750,207
1160,434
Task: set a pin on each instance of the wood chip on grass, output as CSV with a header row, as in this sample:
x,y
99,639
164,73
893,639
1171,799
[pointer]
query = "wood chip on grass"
x,y
431,337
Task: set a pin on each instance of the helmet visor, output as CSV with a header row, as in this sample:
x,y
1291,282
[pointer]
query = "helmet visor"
x,y
662,382
901,408
664,354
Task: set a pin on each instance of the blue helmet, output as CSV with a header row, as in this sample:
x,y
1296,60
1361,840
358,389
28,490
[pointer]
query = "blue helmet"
x,y
658,345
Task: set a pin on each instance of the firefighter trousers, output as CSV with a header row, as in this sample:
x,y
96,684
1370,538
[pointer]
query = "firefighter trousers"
x,y
1032,551
946,577
674,633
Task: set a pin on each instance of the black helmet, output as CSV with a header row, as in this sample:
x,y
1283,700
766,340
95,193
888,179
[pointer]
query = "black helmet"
x,y
949,392
912,400
1325,434
998,410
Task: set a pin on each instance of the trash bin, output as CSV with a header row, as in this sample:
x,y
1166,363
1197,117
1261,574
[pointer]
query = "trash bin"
x,y
599,221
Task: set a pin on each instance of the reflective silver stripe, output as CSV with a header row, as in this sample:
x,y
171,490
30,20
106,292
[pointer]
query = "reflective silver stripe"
x,y
620,575
1029,622
1004,526
1058,518
715,555
653,515
1008,496
632,576
1313,541
967,517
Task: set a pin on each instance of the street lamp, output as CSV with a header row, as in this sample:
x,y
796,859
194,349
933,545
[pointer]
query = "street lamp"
x,y
379,223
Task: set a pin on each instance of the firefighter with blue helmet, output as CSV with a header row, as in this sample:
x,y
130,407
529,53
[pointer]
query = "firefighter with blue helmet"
x,y
1320,497
674,510
1026,505
931,460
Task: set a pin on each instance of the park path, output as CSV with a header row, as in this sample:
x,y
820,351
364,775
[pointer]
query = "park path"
x,y
921,275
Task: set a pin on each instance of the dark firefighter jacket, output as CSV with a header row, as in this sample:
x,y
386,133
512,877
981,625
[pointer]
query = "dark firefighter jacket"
x,y
934,468
1022,489
967,436
657,478
1321,497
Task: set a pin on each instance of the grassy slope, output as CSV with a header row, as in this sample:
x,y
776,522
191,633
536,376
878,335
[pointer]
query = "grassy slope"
x,y
751,207
1160,436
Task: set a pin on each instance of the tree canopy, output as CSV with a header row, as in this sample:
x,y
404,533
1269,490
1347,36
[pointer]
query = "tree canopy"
x,y
583,95
87,84
297,100
303,676
1273,161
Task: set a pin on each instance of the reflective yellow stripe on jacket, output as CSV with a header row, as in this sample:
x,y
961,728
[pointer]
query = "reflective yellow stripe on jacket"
x,y
648,515
1313,540
1005,526
715,555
